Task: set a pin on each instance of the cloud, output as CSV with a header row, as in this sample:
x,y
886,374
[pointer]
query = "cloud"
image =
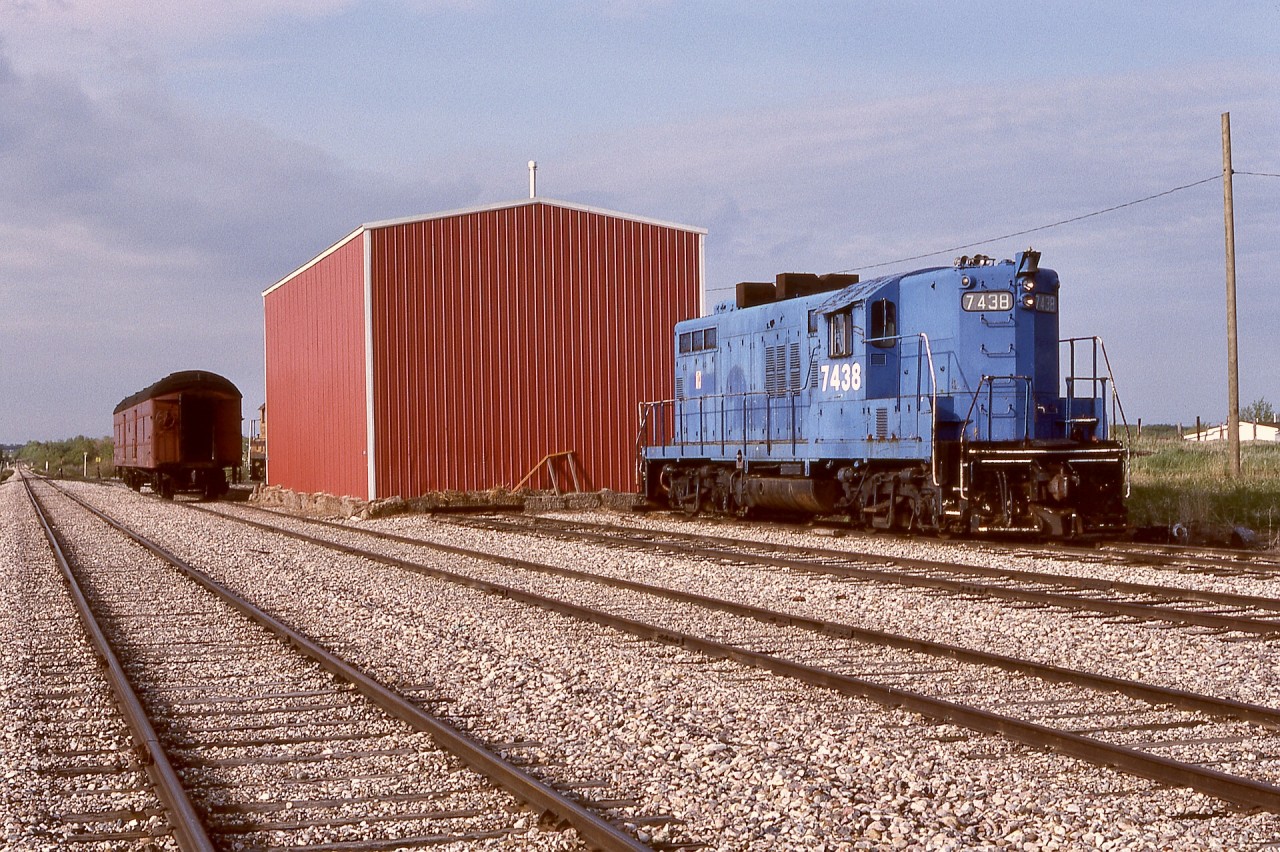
x,y
106,21
833,185
137,234
135,239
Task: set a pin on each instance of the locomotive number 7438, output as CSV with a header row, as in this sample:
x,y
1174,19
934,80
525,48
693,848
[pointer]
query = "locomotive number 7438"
x,y
982,300
844,376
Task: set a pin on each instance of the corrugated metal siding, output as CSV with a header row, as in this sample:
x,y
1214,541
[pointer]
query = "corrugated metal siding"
x,y
315,374
503,335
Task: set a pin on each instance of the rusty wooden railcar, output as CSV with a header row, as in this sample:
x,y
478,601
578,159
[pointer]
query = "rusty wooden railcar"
x,y
180,434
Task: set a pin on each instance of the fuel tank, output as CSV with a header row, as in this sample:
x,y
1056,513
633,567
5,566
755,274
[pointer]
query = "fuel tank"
x,y
813,496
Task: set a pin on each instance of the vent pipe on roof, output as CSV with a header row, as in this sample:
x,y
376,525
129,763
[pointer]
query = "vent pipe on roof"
x,y
533,179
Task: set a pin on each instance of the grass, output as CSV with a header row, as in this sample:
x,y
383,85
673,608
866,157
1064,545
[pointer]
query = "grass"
x,y
1176,481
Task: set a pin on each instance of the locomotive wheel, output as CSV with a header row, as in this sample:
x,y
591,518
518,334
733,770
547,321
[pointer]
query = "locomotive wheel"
x,y
691,502
686,495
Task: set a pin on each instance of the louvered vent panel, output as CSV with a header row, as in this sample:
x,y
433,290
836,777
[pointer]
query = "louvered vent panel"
x,y
771,369
679,387
882,423
793,371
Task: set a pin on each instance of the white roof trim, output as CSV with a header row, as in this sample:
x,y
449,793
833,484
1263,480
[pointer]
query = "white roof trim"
x,y
525,202
483,208
313,261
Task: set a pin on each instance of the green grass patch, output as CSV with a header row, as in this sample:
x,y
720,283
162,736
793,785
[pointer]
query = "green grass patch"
x,y
1176,481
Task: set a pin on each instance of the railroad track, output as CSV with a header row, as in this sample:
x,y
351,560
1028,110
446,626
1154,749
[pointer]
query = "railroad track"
x,y
1211,560
256,736
1224,748
87,786
1226,612
1181,558
1228,562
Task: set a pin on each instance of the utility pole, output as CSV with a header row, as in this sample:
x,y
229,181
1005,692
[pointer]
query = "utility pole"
x,y
1233,361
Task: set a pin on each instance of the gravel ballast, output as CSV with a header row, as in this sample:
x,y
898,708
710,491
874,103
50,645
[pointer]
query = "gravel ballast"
x,y
746,760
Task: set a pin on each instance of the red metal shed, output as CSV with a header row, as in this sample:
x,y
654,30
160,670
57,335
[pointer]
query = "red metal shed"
x,y
455,351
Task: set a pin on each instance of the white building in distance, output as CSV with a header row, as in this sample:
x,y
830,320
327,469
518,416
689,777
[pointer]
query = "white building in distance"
x,y
1248,432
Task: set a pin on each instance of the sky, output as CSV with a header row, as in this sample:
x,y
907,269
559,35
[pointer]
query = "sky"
x,y
161,164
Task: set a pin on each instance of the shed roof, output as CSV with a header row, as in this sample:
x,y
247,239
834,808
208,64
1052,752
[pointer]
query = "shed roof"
x,y
482,208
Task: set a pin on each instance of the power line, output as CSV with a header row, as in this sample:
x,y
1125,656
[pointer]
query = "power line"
x,y
1256,174
1041,227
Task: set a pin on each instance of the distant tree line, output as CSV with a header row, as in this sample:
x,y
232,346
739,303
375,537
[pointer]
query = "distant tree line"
x,y
68,457
1259,411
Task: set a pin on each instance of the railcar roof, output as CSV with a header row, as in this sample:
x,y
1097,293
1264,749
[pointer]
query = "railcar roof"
x,y
183,380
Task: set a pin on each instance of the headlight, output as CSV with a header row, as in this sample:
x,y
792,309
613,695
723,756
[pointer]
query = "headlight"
x,y
1028,284
1029,301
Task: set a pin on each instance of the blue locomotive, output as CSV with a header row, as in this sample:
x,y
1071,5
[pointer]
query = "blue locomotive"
x,y
933,401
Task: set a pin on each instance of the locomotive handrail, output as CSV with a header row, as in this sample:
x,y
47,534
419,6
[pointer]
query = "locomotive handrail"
x,y
990,381
927,350
649,411
678,410
644,410
1098,346
933,408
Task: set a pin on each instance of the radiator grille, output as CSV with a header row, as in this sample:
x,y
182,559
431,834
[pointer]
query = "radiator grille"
x,y
782,368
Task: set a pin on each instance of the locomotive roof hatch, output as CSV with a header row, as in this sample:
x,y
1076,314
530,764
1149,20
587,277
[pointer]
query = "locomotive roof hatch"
x,y
855,293
183,380
864,290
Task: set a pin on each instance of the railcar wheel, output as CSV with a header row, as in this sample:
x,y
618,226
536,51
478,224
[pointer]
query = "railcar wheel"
x,y
164,486
215,486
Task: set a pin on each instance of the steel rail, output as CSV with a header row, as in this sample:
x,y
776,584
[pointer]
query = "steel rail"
x,y
1227,559
1240,791
1083,583
1235,560
1155,694
835,562
594,829
186,822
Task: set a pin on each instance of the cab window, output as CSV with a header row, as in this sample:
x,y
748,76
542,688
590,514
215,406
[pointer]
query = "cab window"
x,y
884,324
840,326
